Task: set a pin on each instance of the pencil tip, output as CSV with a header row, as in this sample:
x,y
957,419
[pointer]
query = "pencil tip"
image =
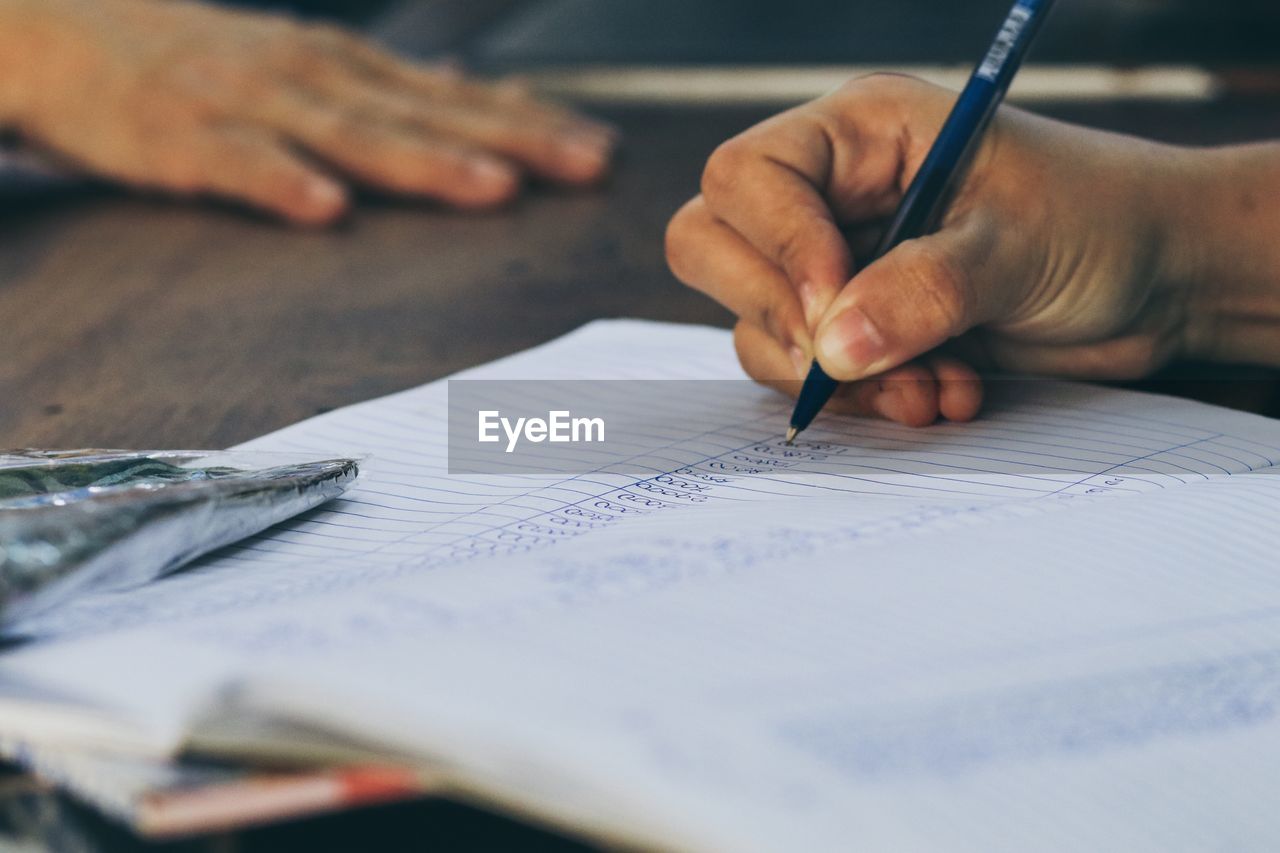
x,y
792,432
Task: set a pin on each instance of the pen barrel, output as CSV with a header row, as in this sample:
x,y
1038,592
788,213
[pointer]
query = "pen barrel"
x,y
817,390
925,196
963,129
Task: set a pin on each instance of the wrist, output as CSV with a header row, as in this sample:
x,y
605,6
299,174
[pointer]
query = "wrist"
x,y
1220,215
33,45
43,56
18,24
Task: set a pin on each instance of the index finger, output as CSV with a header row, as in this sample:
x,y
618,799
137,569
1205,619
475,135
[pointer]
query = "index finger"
x,y
768,184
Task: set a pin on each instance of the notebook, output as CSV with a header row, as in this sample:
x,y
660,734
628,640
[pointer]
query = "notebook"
x,y
1056,627
175,799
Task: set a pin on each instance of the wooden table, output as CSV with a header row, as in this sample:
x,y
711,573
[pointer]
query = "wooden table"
x,y
141,322
134,322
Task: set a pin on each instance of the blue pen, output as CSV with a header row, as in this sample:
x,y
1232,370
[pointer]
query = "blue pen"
x,y
917,213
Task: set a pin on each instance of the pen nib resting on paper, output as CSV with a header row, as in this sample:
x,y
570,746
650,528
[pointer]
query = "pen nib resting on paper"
x,y
792,432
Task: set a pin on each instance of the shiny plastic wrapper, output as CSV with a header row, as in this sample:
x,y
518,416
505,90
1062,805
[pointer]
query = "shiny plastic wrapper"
x,y
74,521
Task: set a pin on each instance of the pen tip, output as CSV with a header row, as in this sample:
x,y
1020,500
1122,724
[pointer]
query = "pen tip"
x,y
792,432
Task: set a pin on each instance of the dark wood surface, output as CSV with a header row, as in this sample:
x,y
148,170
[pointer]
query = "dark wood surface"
x,y
135,322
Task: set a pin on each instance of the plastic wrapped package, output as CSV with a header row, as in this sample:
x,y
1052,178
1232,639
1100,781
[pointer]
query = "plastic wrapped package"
x,y
106,519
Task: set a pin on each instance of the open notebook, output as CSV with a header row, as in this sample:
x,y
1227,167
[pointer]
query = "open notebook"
x,y
1057,627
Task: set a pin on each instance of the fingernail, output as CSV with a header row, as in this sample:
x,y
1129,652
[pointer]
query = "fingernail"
x,y
800,360
491,173
324,193
324,197
850,344
587,152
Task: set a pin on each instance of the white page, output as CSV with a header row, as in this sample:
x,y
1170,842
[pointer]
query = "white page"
x,y
393,521
1103,677
1054,441
157,655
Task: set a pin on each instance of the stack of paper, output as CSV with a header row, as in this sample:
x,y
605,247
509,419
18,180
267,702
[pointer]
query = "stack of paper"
x,y
1057,627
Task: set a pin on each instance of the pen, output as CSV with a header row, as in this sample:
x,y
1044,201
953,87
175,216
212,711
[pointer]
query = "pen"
x,y
921,204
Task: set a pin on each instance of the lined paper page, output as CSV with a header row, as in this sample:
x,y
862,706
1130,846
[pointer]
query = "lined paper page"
x,y
994,687
1102,678
912,638
1036,443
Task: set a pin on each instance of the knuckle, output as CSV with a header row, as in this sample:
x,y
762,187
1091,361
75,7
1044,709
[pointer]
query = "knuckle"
x,y
790,249
179,175
433,172
164,107
327,39
281,182
677,238
744,346
203,81
341,129
301,53
749,344
770,318
782,318
446,167
942,286
724,168
535,144
887,85
1135,358
173,167
325,34
1201,333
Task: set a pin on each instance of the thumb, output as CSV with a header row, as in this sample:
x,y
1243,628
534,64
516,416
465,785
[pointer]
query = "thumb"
x,y
908,302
